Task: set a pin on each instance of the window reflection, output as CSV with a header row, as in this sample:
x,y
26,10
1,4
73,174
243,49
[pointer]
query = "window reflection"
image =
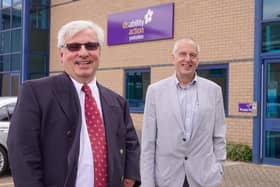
x,y
15,62
137,82
271,9
271,37
6,3
5,42
4,84
11,42
273,91
16,40
15,85
272,142
16,15
5,18
218,76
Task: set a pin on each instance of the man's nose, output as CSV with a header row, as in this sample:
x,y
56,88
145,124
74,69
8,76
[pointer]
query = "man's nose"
x,y
83,51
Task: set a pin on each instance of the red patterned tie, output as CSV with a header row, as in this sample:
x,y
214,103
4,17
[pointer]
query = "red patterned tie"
x,y
96,133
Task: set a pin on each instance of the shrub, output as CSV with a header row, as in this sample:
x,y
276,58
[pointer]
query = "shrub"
x,y
239,152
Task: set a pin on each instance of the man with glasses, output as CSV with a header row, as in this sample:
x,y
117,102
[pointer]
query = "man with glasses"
x,y
68,130
183,132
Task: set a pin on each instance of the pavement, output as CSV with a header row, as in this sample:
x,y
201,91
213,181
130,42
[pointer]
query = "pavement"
x,y
237,174
241,174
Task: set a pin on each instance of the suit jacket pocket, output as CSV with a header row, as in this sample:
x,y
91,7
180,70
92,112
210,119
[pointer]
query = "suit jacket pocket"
x,y
162,171
206,170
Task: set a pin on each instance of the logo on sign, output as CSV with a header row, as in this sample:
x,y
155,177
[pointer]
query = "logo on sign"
x,y
136,26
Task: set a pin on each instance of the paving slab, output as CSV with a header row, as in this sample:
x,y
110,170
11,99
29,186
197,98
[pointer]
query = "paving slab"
x,y
241,174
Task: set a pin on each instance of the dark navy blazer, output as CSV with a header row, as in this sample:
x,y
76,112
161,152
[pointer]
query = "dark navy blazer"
x,y
44,135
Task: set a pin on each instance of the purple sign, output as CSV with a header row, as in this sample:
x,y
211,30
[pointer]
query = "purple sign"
x,y
152,23
245,107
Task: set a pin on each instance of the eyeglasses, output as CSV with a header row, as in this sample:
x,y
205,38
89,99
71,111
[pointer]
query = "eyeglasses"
x,y
74,47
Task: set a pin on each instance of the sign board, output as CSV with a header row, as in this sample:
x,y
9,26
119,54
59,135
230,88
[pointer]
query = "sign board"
x,y
248,107
152,23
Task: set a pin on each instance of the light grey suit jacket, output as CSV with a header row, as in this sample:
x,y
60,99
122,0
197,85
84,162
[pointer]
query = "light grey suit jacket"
x,y
166,158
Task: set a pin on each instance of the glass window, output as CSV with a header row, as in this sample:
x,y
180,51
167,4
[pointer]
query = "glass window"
x,y
36,75
4,84
15,62
272,144
37,63
15,85
219,75
5,63
16,2
5,42
16,15
39,40
271,37
39,16
273,91
271,9
5,18
16,40
137,82
6,3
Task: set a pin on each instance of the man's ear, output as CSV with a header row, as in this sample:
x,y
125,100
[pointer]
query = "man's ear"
x,y
60,54
172,58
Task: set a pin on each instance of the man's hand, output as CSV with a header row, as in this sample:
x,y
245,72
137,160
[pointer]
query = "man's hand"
x,y
128,182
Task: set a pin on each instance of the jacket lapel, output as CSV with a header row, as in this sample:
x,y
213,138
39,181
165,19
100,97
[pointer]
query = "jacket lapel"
x,y
174,101
65,93
110,119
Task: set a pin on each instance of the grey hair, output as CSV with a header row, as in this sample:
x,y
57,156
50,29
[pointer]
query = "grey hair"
x,y
175,47
73,27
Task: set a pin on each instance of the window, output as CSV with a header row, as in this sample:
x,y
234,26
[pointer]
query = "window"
x,y
271,37
136,85
271,9
218,74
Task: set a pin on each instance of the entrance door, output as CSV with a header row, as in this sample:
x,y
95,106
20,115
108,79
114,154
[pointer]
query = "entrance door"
x,y
271,112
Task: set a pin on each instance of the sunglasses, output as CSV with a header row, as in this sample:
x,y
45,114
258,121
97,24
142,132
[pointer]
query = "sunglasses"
x,y
74,47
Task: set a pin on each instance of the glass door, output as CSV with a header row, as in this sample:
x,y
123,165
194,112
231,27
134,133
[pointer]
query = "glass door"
x,y
271,114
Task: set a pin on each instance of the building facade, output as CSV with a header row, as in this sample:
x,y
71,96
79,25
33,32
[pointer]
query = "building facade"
x,y
240,50
24,52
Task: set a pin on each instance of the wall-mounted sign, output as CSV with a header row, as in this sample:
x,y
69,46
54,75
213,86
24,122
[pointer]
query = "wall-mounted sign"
x,y
248,107
245,107
152,23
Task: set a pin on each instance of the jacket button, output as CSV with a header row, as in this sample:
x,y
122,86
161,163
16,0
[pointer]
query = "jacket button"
x,y
184,139
68,133
186,158
121,151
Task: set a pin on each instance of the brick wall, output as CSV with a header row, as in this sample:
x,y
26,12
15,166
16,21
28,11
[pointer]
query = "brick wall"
x,y
224,30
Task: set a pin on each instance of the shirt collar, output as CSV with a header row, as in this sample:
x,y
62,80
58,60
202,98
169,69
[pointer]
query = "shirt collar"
x,y
92,84
193,82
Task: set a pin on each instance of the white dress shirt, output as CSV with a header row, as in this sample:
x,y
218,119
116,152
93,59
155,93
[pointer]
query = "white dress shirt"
x,y
187,98
85,173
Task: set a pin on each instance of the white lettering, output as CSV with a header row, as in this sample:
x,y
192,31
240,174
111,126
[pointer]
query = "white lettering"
x,y
136,37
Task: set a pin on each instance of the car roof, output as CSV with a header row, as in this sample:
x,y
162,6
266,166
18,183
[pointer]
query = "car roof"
x,y
7,100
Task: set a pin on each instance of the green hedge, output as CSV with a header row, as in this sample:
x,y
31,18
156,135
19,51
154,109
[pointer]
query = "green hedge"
x,y
239,152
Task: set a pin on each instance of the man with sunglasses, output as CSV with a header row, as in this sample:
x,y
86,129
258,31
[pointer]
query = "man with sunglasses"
x,y
68,130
